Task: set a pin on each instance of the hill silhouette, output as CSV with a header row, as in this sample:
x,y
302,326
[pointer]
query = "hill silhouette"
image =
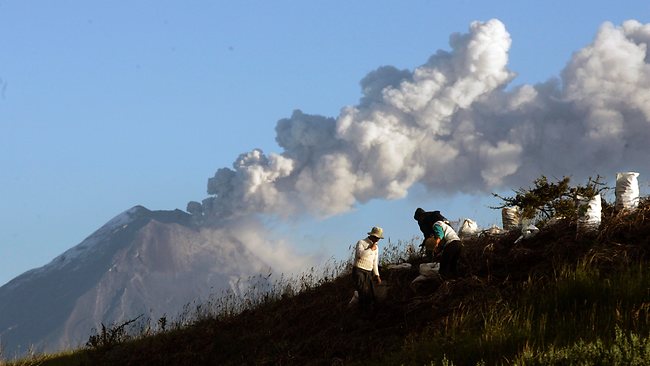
x,y
556,298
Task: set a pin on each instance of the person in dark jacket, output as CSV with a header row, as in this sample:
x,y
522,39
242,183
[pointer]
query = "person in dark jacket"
x,y
425,220
441,240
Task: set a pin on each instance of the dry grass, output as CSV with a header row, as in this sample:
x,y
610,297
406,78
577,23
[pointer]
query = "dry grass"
x,y
493,312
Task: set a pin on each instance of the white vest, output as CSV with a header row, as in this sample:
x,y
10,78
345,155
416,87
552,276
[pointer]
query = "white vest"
x,y
450,234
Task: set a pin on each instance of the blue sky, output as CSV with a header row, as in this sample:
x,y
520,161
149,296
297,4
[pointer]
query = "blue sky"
x,y
107,105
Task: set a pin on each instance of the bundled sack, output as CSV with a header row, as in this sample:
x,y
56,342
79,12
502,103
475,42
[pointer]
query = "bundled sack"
x,y
627,190
468,228
589,213
429,269
493,230
511,218
428,272
527,232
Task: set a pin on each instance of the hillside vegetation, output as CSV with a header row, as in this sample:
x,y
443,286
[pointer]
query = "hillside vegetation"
x,y
557,298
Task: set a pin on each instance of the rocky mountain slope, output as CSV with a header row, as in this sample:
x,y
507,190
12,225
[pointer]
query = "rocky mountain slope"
x,y
142,262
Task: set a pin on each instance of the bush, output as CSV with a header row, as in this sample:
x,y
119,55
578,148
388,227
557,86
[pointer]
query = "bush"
x,y
111,336
546,200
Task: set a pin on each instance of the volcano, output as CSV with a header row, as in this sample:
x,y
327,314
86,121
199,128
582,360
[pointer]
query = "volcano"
x,y
142,263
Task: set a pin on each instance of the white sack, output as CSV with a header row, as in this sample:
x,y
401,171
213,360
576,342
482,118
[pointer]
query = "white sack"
x,y
493,230
428,272
416,282
627,190
527,232
511,218
468,228
589,210
429,269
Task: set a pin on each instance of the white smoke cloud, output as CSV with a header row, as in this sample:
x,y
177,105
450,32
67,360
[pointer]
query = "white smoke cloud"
x,y
453,125
276,255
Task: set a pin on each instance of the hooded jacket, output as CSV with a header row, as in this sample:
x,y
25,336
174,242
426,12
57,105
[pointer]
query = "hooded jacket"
x,y
426,219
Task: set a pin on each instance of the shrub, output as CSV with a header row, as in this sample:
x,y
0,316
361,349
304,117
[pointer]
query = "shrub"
x,y
111,336
546,200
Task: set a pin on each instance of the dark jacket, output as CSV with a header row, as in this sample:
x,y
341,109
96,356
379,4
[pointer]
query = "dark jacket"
x,y
426,219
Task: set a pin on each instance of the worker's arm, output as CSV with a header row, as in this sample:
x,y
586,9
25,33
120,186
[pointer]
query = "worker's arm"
x,y
437,247
438,235
375,268
364,250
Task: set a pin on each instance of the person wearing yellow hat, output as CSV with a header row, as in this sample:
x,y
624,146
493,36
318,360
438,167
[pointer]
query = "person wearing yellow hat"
x,y
365,268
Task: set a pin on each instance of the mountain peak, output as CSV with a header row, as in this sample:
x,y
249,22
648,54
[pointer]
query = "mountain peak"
x,y
121,221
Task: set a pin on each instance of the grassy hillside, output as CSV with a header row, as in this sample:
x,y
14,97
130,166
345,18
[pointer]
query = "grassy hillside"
x,y
556,298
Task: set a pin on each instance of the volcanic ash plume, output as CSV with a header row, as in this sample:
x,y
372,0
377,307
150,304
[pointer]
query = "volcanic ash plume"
x,y
453,125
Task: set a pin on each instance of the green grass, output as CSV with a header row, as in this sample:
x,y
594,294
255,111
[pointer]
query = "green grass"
x,y
581,316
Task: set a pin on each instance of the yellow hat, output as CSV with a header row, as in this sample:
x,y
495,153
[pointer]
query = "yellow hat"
x,y
377,232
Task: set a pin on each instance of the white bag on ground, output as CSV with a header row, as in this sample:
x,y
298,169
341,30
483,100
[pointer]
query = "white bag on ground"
x,y
468,228
627,190
589,213
527,232
428,272
429,269
511,218
418,281
493,230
